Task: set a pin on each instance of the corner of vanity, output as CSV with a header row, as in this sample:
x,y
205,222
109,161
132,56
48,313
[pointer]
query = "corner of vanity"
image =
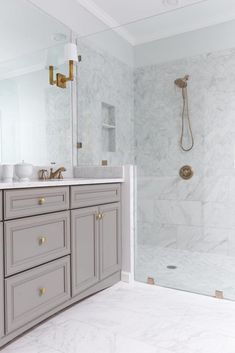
x,y
58,245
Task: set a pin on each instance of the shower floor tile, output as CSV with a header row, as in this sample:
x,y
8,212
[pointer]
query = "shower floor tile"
x,y
196,272
136,318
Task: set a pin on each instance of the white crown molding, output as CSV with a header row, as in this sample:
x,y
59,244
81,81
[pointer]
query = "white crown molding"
x,y
95,10
204,6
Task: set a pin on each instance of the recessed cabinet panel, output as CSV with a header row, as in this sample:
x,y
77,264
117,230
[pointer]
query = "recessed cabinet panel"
x,y
21,203
1,285
1,215
84,249
33,293
110,240
92,195
35,240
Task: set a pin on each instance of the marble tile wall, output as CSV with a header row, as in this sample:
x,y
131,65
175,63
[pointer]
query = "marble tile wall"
x,y
104,79
195,215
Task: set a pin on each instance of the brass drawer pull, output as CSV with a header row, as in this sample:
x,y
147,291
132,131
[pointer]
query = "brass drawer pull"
x,y
42,240
41,201
42,291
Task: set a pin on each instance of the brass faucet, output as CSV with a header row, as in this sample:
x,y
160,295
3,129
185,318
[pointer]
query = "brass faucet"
x,y
57,174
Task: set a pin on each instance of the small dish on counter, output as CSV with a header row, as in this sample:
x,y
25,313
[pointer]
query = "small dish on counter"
x,y
24,171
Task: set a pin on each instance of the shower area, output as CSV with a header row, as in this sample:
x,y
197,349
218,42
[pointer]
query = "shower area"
x,y
185,139
173,104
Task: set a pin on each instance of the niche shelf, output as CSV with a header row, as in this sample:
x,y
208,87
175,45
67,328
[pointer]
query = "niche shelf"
x,y
108,127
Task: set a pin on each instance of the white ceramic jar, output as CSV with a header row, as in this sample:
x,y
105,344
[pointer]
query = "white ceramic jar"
x,y
24,171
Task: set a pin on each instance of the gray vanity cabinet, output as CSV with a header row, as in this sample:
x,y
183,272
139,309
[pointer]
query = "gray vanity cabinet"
x,y
85,255
110,240
1,285
96,245
58,245
32,241
35,292
22,203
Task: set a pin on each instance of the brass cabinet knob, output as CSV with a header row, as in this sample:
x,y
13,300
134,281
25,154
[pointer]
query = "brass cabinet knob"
x,y
42,291
42,240
99,216
41,201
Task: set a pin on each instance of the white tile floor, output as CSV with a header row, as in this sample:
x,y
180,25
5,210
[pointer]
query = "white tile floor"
x,y
136,318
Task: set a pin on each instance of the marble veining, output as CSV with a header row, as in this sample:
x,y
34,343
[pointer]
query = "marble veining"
x,y
136,318
193,220
103,79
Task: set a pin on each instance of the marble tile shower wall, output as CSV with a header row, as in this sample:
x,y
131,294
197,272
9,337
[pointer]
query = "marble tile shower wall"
x,y
198,214
104,79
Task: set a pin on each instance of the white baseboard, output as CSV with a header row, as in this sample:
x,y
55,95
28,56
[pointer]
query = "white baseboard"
x,y
126,277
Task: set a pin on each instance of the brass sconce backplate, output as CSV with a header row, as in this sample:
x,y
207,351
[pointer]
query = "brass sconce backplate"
x,y
186,172
61,80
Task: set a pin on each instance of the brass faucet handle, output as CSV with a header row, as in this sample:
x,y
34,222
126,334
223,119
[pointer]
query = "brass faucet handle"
x,y
43,174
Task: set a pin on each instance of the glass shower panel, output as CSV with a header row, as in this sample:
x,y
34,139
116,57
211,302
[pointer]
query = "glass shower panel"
x,y
185,236
185,228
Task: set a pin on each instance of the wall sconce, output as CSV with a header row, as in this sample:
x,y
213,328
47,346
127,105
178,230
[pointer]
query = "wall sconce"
x,y
71,55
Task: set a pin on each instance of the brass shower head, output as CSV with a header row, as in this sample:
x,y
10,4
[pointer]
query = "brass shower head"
x,y
182,82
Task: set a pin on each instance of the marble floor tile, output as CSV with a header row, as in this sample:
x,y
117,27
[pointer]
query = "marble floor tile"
x,y
136,318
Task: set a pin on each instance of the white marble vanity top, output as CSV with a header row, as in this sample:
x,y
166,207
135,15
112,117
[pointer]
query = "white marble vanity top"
x,y
62,182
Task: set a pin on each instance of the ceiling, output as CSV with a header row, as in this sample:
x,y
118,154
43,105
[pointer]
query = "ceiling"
x,y
125,11
142,21
28,33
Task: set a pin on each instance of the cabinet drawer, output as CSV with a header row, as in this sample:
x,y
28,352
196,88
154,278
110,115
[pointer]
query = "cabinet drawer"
x,y
92,195
35,292
21,203
33,241
1,285
1,215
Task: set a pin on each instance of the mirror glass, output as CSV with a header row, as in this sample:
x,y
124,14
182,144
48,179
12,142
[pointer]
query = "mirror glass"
x,y
35,118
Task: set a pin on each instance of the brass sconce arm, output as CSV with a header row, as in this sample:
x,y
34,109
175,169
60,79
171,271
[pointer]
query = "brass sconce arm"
x,y
70,55
61,79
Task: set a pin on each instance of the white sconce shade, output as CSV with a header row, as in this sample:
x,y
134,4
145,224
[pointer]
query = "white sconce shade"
x,y
70,52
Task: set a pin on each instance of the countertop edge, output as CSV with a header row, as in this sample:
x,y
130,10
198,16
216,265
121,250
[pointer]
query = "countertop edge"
x,y
64,182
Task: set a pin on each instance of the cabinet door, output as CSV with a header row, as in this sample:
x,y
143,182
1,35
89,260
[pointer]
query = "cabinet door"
x,y
85,252
110,240
1,284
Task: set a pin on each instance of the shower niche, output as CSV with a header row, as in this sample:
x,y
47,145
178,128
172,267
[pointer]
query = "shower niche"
x,y
108,127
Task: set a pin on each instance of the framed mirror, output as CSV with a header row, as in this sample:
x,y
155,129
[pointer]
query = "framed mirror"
x,y
35,117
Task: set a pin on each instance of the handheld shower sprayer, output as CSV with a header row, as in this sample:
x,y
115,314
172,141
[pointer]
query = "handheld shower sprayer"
x,y
182,83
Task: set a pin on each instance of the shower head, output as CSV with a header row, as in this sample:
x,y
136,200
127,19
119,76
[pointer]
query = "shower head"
x,y
182,82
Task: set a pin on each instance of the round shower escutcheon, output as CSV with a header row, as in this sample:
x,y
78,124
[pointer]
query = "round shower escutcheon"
x,y
186,172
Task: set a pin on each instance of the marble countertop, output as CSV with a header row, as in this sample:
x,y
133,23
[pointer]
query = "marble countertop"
x,y
62,182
